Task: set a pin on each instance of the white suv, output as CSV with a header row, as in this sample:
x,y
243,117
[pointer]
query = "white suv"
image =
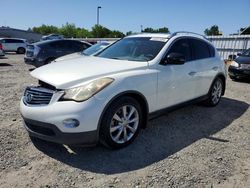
x,y
111,96
14,45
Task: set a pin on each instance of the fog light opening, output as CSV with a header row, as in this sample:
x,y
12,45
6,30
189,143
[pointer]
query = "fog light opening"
x,y
70,123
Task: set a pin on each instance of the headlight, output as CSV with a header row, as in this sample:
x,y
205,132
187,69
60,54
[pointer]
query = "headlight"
x,y
235,64
86,91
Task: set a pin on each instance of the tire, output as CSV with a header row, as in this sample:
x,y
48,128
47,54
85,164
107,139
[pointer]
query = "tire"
x,y
116,132
215,93
21,50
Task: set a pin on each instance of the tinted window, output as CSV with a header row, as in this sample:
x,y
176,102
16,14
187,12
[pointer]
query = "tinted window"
x,y
60,45
78,46
181,46
211,50
200,49
13,41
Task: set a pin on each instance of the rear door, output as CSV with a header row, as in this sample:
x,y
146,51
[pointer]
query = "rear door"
x,y
205,65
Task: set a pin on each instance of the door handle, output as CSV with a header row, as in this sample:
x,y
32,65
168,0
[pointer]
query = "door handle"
x,y
215,68
192,73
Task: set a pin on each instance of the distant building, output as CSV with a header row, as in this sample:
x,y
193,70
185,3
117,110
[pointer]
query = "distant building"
x,y
7,32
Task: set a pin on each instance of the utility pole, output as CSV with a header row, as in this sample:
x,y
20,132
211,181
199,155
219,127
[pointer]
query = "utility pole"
x,y
98,9
141,28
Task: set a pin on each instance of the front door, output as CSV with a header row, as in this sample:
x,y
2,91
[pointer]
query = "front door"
x,y
176,81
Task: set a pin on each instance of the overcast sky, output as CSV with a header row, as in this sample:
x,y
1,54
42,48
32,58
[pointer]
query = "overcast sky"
x,y
129,15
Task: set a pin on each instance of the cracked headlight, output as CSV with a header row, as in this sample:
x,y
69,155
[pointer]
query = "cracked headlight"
x,y
86,91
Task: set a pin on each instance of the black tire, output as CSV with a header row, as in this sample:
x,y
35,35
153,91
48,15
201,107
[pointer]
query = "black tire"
x,y
109,124
211,95
21,50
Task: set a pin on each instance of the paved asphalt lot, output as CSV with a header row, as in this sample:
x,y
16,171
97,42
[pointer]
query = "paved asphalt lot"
x,y
194,146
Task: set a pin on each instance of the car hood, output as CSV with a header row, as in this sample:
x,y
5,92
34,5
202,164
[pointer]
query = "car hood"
x,y
243,59
70,56
69,73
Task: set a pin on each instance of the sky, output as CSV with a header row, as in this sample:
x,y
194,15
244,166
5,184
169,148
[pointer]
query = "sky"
x,y
129,15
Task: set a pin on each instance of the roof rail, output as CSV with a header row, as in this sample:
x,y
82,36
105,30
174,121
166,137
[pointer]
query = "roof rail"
x,y
187,32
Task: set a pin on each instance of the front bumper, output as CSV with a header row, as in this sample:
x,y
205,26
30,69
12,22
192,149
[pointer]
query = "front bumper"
x,y
238,72
46,121
50,132
33,61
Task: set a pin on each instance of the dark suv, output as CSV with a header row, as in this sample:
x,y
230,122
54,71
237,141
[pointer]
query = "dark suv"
x,y
42,53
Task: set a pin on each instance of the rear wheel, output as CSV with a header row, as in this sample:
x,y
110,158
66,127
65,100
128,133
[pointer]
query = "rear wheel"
x,y
215,93
121,123
21,50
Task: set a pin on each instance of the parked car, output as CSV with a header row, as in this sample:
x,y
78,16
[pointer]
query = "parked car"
x,y
94,49
109,97
43,53
52,37
240,67
13,45
1,50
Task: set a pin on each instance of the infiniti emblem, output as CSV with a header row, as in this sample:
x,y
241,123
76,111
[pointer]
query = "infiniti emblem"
x,y
29,97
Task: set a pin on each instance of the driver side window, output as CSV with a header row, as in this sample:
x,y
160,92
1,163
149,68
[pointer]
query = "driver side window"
x,y
181,46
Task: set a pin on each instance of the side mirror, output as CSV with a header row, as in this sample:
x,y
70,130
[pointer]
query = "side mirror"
x,y
174,58
239,54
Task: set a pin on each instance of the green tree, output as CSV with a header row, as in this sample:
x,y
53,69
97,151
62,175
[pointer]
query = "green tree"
x,y
116,34
213,30
45,29
163,30
159,30
68,30
99,31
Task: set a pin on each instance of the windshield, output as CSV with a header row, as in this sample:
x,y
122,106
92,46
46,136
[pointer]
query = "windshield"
x,y
135,49
246,53
94,49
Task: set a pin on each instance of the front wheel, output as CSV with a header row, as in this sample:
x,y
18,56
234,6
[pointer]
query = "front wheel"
x,y
121,123
215,93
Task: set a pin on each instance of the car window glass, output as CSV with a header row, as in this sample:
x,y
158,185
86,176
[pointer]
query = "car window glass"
x,y
200,49
211,50
182,47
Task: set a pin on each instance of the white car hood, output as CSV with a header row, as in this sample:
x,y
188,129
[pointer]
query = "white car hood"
x,y
70,56
68,73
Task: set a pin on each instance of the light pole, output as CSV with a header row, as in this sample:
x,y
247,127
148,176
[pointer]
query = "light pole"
x,y
98,9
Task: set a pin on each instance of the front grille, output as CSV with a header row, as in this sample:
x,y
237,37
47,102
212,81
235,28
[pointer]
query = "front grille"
x,y
37,96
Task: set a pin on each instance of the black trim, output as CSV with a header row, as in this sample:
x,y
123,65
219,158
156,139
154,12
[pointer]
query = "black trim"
x,y
50,132
158,113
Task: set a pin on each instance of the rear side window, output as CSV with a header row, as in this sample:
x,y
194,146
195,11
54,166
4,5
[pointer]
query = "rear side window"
x,y
200,49
13,41
211,50
181,46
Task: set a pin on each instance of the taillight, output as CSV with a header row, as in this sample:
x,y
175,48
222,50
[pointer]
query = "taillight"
x,y
1,47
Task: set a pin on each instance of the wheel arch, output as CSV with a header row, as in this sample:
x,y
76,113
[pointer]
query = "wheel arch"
x,y
223,78
133,94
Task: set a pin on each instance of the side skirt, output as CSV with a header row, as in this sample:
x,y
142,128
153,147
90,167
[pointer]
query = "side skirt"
x,y
161,112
